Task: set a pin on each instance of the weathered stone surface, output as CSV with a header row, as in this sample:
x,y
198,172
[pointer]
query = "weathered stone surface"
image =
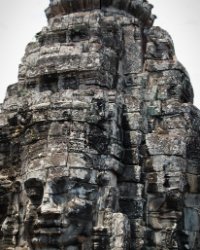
x,y
99,140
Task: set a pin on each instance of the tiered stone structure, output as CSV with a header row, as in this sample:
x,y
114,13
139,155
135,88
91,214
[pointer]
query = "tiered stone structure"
x,y
99,141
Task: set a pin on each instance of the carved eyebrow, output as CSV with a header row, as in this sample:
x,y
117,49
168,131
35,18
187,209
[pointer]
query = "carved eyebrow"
x,y
62,186
33,182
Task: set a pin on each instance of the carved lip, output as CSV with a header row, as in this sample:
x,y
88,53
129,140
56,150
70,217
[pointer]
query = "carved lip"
x,y
45,240
47,229
50,231
45,224
47,233
52,238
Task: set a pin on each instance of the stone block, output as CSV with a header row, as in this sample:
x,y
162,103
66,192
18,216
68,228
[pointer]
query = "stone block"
x,y
121,230
156,202
131,173
162,221
162,93
132,138
155,187
193,147
115,150
193,166
151,93
191,220
132,104
130,190
165,163
134,209
131,156
154,108
87,175
175,122
155,177
192,200
193,182
164,144
133,50
133,121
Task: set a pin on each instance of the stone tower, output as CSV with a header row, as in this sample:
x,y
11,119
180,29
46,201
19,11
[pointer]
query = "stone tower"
x,y
99,141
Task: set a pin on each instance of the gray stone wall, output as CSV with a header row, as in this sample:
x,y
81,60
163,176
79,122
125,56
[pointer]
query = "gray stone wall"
x,y
99,141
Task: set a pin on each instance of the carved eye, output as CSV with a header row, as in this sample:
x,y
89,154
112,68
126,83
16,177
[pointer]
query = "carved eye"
x,y
79,33
60,185
34,189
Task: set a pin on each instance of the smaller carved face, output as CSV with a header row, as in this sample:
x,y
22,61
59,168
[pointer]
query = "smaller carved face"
x,y
9,211
3,203
60,211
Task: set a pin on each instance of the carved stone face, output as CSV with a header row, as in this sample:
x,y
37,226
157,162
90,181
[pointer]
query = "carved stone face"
x,y
61,162
60,211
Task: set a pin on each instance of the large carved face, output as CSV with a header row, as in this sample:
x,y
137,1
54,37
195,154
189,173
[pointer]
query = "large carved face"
x,y
61,197
60,211
61,165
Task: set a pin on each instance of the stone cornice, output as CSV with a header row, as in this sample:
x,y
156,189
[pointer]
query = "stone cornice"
x,y
141,9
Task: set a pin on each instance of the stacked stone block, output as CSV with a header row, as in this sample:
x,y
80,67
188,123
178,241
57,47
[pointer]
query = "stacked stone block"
x,y
99,138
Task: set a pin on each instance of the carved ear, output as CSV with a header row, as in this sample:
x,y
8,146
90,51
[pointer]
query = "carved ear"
x,y
5,186
34,189
16,187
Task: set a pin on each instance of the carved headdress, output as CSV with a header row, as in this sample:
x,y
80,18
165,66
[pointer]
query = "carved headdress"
x,y
99,141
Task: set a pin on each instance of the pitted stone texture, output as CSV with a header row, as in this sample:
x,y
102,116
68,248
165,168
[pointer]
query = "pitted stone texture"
x,y
99,140
139,8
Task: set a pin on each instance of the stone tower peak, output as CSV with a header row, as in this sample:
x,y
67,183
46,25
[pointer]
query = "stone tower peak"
x,y
141,9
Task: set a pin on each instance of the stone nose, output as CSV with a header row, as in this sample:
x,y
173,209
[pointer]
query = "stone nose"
x,y
48,205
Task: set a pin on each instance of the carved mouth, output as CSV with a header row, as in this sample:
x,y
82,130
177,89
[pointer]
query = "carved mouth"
x,y
49,239
47,233
51,223
46,241
52,234
55,233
